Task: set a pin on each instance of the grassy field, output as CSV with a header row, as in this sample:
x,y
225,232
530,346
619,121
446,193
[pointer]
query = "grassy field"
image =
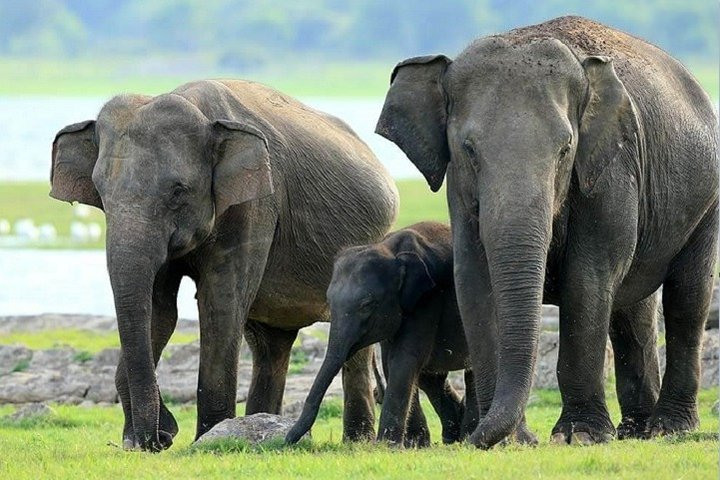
x,y
83,441
304,79
31,200
104,78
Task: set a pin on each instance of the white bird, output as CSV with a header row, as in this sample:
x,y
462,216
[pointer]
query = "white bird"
x,y
47,232
79,232
94,231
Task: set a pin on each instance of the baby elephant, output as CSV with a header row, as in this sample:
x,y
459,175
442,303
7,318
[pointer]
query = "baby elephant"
x,y
400,292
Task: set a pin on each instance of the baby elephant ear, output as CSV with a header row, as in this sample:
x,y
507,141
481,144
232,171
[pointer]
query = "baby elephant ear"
x,y
416,282
608,126
74,154
242,165
414,116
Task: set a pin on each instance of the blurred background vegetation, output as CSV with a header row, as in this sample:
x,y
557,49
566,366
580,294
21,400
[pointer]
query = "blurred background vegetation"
x,y
320,47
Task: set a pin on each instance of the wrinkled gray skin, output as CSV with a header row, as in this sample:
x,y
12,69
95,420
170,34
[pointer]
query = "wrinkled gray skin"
x,y
400,292
249,193
582,171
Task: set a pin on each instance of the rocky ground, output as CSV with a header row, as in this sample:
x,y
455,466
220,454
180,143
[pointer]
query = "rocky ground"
x,y
69,376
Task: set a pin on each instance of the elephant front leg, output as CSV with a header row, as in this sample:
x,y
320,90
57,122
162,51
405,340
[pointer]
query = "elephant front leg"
x,y
404,359
584,322
229,280
222,314
271,356
358,396
164,320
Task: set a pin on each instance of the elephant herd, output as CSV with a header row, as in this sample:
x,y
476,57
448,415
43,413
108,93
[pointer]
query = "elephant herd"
x,y
581,166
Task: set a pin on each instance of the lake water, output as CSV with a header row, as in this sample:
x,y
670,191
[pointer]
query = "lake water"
x,y
65,281
51,281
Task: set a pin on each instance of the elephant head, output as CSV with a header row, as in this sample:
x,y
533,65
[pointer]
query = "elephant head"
x,y
164,174
520,128
370,289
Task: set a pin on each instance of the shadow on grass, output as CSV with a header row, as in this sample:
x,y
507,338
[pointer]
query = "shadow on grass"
x,y
276,445
688,437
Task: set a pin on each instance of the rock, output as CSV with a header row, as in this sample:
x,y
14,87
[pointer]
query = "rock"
x,y
709,359
713,320
294,409
31,411
14,358
547,358
255,429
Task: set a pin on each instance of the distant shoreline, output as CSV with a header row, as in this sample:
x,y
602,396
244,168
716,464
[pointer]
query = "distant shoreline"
x,y
94,77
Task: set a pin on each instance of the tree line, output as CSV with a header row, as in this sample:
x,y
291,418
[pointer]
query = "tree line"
x,y
246,32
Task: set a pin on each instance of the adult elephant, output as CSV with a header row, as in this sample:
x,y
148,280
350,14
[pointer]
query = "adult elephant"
x,y
582,168
249,193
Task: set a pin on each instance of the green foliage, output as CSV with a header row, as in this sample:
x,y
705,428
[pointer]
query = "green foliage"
x,y
88,342
83,356
298,360
244,35
331,408
21,366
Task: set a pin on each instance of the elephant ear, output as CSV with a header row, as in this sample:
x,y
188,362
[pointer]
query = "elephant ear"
x,y
74,154
414,116
242,165
417,279
608,126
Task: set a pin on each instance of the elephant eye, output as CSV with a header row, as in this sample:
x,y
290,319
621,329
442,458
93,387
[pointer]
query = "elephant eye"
x,y
177,196
469,148
366,304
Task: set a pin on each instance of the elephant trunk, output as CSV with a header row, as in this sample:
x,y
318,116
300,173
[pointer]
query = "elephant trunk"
x,y
339,349
133,262
516,249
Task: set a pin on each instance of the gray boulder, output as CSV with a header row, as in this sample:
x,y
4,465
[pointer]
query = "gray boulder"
x,y
547,357
254,429
31,411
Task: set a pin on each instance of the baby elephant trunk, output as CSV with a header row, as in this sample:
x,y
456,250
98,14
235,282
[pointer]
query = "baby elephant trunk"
x,y
342,343
330,368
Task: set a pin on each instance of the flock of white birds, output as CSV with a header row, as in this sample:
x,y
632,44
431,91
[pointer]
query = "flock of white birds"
x,y
24,231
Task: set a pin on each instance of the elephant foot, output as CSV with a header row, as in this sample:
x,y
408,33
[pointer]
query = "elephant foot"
x,y
134,444
524,436
420,440
168,423
632,428
667,423
581,433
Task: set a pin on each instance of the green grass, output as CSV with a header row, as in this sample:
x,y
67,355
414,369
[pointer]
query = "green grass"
x,y
86,440
31,200
109,77
86,342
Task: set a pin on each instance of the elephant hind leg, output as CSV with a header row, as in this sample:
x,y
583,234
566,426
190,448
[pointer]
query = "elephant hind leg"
x,y
447,404
271,348
687,293
417,432
633,333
